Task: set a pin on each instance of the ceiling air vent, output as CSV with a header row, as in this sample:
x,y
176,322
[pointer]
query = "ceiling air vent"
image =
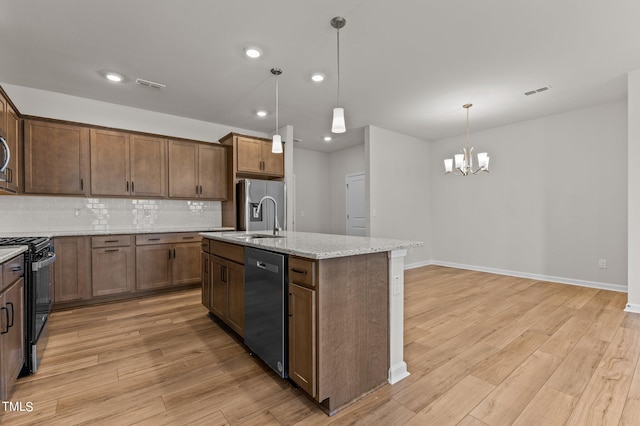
x,y
541,89
150,84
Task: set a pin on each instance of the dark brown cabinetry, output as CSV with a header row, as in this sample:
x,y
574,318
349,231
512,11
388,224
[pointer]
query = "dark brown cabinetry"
x,y
164,260
12,172
253,156
11,324
197,170
72,269
302,337
224,294
127,164
56,158
112,265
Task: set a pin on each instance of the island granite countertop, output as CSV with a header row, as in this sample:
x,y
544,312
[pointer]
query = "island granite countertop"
x,y
312,245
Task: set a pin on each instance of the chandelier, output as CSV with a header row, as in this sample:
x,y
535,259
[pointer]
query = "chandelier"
x,y
464,161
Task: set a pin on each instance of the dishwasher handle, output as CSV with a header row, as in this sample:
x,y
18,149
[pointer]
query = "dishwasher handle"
x,y
264,265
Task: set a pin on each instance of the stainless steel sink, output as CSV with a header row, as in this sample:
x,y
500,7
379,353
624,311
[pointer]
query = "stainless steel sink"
x,y
266,236
247,237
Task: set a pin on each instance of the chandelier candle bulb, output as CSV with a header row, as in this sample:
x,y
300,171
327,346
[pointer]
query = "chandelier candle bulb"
x,y
483,160
448,165
459,160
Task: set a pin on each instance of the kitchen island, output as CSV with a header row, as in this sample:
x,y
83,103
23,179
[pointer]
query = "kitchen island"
x,y
346,303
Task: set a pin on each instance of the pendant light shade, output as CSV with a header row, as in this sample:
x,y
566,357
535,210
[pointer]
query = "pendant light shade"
x,y
276,142
338,124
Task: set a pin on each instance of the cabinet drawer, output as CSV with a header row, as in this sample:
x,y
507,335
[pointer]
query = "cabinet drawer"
x,y
12,270
232,252
173,238
111,241
302,271
205,245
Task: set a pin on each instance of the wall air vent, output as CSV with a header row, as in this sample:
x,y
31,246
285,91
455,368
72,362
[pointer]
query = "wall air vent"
x,y
541,89
150,84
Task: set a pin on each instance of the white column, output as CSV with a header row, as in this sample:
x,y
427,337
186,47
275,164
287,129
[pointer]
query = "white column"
x,y
633,188
397,366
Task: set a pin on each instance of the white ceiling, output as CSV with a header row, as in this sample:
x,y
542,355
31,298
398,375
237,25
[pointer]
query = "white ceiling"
x,y
406,65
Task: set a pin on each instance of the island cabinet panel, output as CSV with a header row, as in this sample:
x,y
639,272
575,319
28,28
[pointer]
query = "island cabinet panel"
x,y
72,269
112,267
302,337
206,281
56,158
352,327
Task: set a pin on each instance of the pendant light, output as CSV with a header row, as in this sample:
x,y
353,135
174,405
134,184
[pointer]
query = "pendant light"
x,y
338,125
276,144
464,161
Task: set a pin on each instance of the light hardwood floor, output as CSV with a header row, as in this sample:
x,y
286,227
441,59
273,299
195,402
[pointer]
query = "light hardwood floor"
x,y
481,349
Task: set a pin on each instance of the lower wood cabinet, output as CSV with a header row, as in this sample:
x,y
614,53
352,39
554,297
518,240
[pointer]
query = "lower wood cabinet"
x,y
112,265
165,260
223,290
11,325
302,337
72,269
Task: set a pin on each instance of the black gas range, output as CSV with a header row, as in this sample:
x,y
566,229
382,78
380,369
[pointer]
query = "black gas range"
x,y
38,295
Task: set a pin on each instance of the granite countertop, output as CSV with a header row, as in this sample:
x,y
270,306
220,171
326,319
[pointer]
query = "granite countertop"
x,y
9,252
312,245
80,232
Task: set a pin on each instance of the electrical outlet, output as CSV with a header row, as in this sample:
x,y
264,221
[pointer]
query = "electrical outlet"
x,y
396,285
602,263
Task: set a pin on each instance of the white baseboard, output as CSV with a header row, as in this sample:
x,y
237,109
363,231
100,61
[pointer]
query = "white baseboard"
x,y
632,307
561,280
418,264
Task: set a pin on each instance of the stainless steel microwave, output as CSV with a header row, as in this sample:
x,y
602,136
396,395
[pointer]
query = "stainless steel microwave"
x,y
5,156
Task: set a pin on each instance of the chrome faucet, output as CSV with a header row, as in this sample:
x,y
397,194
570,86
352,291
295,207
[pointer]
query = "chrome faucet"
x,y
276,225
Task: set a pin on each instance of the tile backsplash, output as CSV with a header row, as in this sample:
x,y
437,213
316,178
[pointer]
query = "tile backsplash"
x,y
41,214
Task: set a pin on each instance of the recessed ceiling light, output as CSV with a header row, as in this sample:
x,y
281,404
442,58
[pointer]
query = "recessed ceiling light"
x,y
253,52
261,113
317,77
112,76
327,138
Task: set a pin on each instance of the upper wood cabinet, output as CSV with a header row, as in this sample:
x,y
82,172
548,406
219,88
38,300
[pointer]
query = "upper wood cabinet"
x,y
56,158
124,164
254,156
12,173
3,116
197,170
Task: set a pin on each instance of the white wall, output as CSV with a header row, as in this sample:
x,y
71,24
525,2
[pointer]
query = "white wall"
x,y
399,189
311,171
634,190
554,203
341,163
42,103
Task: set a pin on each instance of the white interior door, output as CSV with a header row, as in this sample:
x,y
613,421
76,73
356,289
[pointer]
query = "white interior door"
x,y
356,214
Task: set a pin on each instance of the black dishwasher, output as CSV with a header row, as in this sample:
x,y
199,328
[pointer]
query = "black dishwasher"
x,y
265,318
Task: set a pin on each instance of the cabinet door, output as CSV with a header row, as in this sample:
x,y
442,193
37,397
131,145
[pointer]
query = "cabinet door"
x,y
72,269
183,169
13,356
249,159
186,263
3,116
206,281
212,165
148,166
302,337
109,163
235,307
56,158
272,164
112,270
153,266
13,138
219,288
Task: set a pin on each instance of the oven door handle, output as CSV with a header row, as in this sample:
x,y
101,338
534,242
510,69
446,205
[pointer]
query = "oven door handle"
x,y
36,266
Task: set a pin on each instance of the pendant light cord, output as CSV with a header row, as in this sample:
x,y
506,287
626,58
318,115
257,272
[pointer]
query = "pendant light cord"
x,y
467,127
338,50
276,104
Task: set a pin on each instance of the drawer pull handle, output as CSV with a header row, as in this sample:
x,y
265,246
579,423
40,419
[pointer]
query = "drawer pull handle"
x,y
298,271
111,241
111,250
17,269
188,238
13,312
154,239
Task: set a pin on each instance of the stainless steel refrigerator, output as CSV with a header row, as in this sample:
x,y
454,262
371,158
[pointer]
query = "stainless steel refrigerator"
x,y
249,194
